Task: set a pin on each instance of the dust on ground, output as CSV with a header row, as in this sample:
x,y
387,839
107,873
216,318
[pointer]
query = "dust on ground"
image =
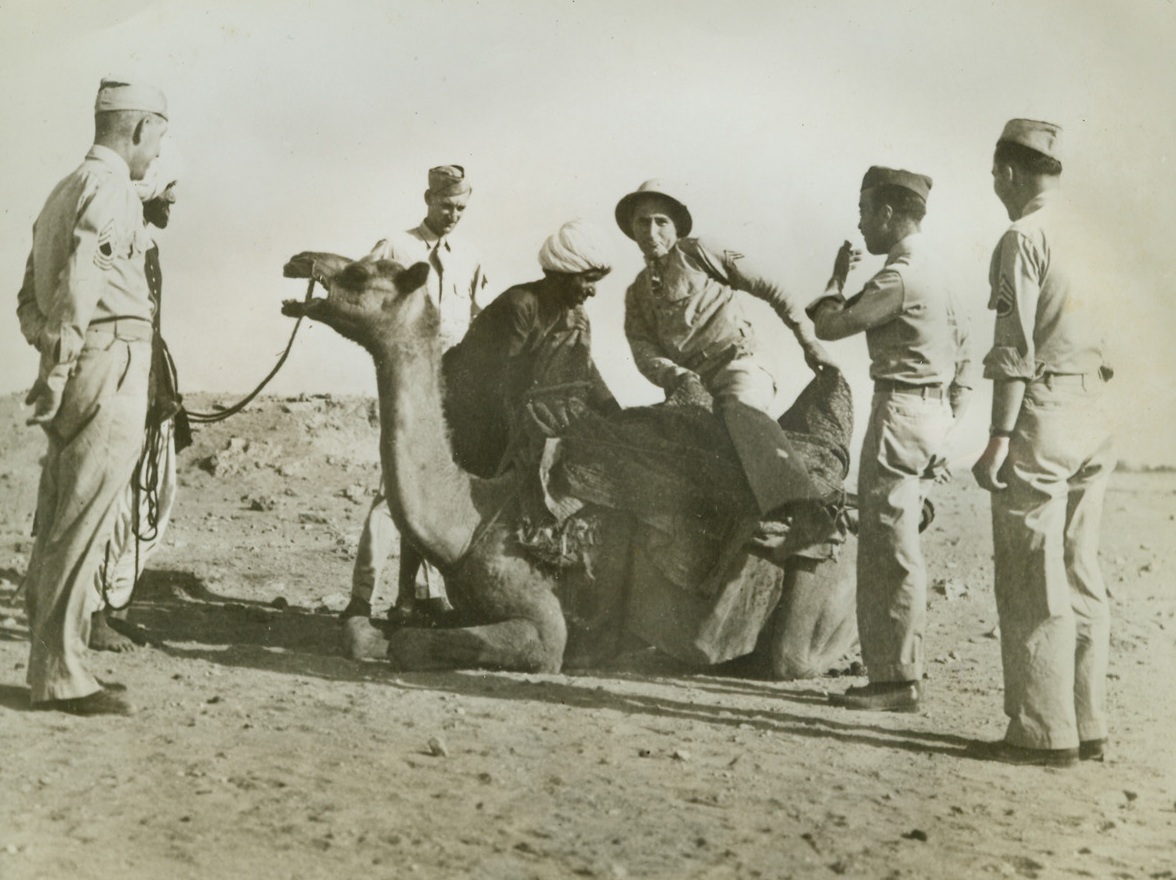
x,y
258,750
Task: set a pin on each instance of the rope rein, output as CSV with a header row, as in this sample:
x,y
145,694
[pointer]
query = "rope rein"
x,y
145,481
209,418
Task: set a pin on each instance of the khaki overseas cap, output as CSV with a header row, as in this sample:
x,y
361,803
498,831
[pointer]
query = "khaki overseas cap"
x,y
448,180
1044,137
919,184
664,190
117,94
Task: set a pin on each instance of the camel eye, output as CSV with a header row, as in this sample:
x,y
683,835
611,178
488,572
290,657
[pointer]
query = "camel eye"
x,y
355,275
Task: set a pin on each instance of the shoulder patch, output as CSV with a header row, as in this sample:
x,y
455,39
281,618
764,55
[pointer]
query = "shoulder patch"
x,y
104,252
732,256
1006,298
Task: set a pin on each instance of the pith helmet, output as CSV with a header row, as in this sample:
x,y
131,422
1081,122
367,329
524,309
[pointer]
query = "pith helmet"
x,y
663,189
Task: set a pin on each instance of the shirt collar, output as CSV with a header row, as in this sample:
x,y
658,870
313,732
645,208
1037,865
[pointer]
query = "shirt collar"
x,y
905,247
111,158
429,237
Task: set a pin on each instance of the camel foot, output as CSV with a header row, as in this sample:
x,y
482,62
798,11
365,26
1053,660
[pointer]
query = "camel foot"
x,y
362,640
103,637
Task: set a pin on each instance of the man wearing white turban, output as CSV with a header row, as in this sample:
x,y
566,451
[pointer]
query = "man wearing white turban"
x,y
519,353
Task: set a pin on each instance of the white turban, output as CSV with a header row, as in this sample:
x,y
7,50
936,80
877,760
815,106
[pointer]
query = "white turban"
x,y
163,171
579,246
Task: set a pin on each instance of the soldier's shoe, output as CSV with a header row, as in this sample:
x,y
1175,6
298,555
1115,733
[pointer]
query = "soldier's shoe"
x,y
101,702
356,608
1092,750
882,696
1006,753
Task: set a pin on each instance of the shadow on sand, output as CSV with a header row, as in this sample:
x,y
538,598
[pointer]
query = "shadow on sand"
x,y
186,620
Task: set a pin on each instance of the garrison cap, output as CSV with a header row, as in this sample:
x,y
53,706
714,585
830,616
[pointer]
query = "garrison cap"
x,y
919,184
448,180
115,94
676,209
1044,137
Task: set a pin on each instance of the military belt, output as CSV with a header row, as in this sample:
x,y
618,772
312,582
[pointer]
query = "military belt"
x,y
935,391
128,329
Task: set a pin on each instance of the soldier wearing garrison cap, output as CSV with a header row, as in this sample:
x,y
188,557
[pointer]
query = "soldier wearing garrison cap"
x,y
150,497
86,307
455,285
921,370
1047,462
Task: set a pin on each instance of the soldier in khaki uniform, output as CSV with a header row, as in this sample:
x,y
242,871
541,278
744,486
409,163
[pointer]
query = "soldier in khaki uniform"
x,y
85,305
1046,464
921,370
455,284
151,495
683,319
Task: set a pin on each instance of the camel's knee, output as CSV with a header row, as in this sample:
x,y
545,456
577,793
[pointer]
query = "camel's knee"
x,y
362,640
550,638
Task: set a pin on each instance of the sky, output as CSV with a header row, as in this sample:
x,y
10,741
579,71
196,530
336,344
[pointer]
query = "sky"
x,y
310,126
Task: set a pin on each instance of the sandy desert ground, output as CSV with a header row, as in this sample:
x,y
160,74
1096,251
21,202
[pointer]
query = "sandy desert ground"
x,y
258,750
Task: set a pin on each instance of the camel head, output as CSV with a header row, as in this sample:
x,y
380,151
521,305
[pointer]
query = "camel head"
x,y
374,303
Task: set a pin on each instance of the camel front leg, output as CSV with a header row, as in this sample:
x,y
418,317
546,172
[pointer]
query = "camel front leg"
x,y
531,644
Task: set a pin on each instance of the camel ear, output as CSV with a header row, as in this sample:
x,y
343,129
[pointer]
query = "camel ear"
x,y
412,277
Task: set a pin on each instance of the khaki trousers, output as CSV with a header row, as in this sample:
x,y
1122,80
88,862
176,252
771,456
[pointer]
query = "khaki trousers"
x,y
905,432
94,442
375,545
744,380
116,580
1050,595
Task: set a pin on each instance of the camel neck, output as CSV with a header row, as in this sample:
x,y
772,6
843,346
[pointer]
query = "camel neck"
x,y
429,495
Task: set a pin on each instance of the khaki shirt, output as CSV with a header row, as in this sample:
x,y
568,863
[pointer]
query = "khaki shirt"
x,y
914,329
87,261
682,315
456,281
1047,314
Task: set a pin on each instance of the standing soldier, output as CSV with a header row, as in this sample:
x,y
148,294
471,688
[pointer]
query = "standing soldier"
x,y
1047,464
152,492
454,284
920,367
85,306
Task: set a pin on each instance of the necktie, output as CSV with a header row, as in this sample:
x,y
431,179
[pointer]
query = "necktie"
x,y
440,267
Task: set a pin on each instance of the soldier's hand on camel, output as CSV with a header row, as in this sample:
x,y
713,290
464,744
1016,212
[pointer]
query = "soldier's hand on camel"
x,y
690,392
817,357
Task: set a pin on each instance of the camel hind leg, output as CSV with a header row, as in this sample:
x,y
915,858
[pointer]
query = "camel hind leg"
x,y
815,623
534,643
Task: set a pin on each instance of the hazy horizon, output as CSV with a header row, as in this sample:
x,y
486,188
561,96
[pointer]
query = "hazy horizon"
x,y
311,127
